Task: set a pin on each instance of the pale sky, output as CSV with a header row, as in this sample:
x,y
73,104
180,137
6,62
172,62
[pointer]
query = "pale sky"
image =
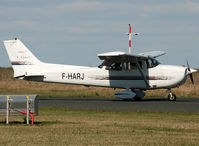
x,y
75,31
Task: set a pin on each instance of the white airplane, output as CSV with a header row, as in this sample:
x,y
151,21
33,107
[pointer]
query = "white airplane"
x,y
133,72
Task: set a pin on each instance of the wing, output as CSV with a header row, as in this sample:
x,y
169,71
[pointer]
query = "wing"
x,y
114,60
119,57
153,54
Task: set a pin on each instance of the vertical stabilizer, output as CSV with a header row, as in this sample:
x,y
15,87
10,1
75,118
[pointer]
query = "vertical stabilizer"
x,y
20,56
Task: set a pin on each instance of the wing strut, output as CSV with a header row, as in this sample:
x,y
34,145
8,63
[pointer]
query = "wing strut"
x,y
142,74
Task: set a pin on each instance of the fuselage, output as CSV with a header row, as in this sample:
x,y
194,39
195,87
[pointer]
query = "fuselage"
x,y
161,76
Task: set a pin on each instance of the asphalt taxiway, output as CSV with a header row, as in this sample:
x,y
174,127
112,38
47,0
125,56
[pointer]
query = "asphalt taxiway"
x,y
112,104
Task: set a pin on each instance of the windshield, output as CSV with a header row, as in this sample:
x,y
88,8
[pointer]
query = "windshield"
x,y
152,62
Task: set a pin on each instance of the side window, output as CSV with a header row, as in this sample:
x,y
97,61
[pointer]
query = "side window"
x,y
151,63
144,64
133,65
114,66
155,62
128,66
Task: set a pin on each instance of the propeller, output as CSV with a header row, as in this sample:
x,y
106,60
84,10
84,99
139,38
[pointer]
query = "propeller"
x,y
190,73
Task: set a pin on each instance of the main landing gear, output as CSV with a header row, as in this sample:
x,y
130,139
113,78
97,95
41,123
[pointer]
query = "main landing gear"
x,y
171,96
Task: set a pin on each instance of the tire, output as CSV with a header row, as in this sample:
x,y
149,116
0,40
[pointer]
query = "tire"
x,y
137,99
172,97
127,99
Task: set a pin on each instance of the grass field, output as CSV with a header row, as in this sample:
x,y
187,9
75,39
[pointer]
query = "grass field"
x,y
9,85
57,126
61,126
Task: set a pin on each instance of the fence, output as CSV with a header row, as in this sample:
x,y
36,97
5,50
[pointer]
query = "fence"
x,y
19,105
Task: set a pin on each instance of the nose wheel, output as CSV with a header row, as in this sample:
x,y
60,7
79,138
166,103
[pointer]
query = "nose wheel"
x,y
171,96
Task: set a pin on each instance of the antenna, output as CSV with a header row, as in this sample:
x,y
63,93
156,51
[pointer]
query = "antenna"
x,y
130,33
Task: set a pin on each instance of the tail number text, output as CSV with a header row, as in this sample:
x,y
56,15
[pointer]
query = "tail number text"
x,y
73,76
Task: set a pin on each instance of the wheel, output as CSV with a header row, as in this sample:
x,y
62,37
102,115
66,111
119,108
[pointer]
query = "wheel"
x,y
172,97
128,99
137,98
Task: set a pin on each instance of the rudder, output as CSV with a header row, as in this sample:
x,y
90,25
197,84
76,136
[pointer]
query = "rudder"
x,y
20,56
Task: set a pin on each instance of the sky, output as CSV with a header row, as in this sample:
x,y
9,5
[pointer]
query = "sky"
x,y
75,31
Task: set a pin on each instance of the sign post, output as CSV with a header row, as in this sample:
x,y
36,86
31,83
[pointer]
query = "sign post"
x,y
8,106
27,112
7,110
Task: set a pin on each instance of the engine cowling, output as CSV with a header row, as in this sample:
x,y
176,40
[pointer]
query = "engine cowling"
x,y
125,95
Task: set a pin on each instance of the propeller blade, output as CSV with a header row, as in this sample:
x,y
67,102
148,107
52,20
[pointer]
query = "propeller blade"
x,y
191,77
188,66
190,74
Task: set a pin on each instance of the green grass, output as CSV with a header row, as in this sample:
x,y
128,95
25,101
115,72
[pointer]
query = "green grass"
x,y
60,126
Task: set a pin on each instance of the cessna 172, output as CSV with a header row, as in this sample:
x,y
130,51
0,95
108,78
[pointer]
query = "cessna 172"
x,y
133,72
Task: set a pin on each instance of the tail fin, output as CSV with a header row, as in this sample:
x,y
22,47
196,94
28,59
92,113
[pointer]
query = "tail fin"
x,y
19,56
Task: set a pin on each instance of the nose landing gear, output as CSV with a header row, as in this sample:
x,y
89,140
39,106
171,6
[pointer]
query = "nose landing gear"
x,y
171,96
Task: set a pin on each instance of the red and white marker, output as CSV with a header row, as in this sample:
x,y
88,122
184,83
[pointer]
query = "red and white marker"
x,y
130,33
129,38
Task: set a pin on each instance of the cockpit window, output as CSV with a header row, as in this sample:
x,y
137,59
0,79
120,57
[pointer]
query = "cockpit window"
x,y
115,66
144,64
152,63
